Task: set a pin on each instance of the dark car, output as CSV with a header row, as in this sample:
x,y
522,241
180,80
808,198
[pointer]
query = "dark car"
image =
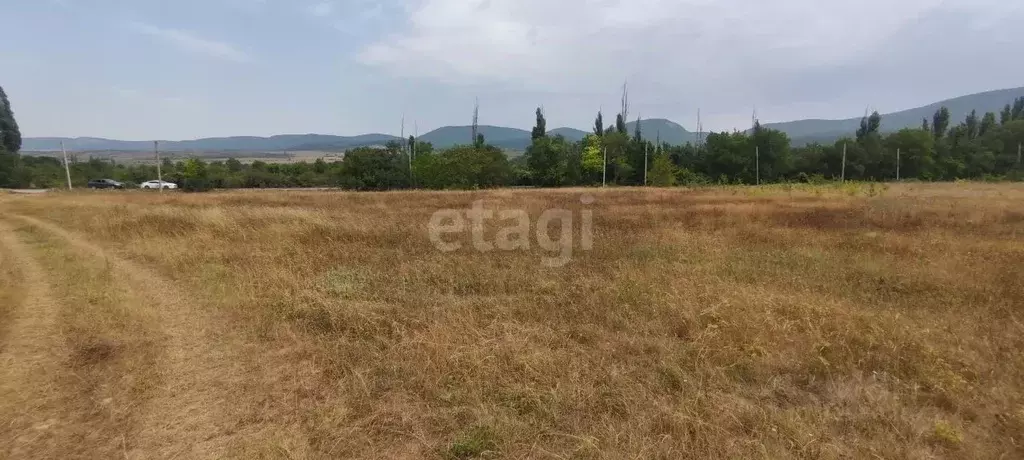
x,y
105,183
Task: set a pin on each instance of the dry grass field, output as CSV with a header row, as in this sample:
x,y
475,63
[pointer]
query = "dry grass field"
x,y
857,321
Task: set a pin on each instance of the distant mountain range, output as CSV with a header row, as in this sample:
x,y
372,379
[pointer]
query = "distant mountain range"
x,y
801,131
804,131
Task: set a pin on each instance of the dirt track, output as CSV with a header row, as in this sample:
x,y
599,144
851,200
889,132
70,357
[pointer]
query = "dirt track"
x,y
29,356
188,413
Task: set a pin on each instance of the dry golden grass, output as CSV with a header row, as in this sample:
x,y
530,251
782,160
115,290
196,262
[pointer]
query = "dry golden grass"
x,y
774,322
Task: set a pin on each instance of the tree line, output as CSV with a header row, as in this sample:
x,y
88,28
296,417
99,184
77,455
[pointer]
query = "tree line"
x,y
983,148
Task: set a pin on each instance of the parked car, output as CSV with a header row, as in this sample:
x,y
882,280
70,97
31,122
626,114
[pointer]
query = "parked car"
x,y
156,184
105,183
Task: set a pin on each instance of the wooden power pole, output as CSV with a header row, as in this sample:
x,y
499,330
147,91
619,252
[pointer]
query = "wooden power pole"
x,y
645,163
67,169
897,165
843,177
604,171
159,173
757,160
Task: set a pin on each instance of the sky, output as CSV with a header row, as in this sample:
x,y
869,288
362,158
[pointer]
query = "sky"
x,y
184,69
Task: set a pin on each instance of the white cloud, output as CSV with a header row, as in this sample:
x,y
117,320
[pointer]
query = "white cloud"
x,y
733,52
353,16
532,39
191,42
322,9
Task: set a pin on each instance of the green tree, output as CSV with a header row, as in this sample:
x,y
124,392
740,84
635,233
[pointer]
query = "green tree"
x,y
547,159
367,168
774,153
477,167
809,162
232,165
493,170
423,148
620,124
592,160
988,122
869,125
856,155
320,166
428,170
729,158
917,149
971,125
617,145
12,174
663,172
599,125
1006,115
10,135
1018,109
195,177
1005,141
540,129
940,122
462,167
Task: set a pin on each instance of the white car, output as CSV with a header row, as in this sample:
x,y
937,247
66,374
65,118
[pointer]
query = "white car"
x,y
156,184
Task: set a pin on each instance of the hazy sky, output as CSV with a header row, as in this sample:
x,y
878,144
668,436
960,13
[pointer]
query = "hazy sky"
x,y
144,69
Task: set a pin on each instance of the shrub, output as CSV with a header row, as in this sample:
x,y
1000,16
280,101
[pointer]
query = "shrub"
x,y
195,177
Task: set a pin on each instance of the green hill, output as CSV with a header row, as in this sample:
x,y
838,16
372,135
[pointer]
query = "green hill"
x,y
456,135
802,131
666,130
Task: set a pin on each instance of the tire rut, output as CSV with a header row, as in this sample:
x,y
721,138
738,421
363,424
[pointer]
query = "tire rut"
x,y
29,401
190,415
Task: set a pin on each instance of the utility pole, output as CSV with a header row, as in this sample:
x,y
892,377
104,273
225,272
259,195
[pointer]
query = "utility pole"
x,y
412,151
604,172
159,173
645,164
67,169
476,121
406,147
757,160
700,131
844,163
1018,153
897,165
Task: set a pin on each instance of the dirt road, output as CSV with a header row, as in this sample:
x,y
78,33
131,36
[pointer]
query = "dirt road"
x,y
170,399
29,356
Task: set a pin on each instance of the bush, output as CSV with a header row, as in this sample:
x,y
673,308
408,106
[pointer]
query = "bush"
x,y
195,177
687,177
815,179
196,184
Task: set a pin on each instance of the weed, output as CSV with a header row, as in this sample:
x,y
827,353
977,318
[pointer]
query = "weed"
x,y
478,442
946,434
